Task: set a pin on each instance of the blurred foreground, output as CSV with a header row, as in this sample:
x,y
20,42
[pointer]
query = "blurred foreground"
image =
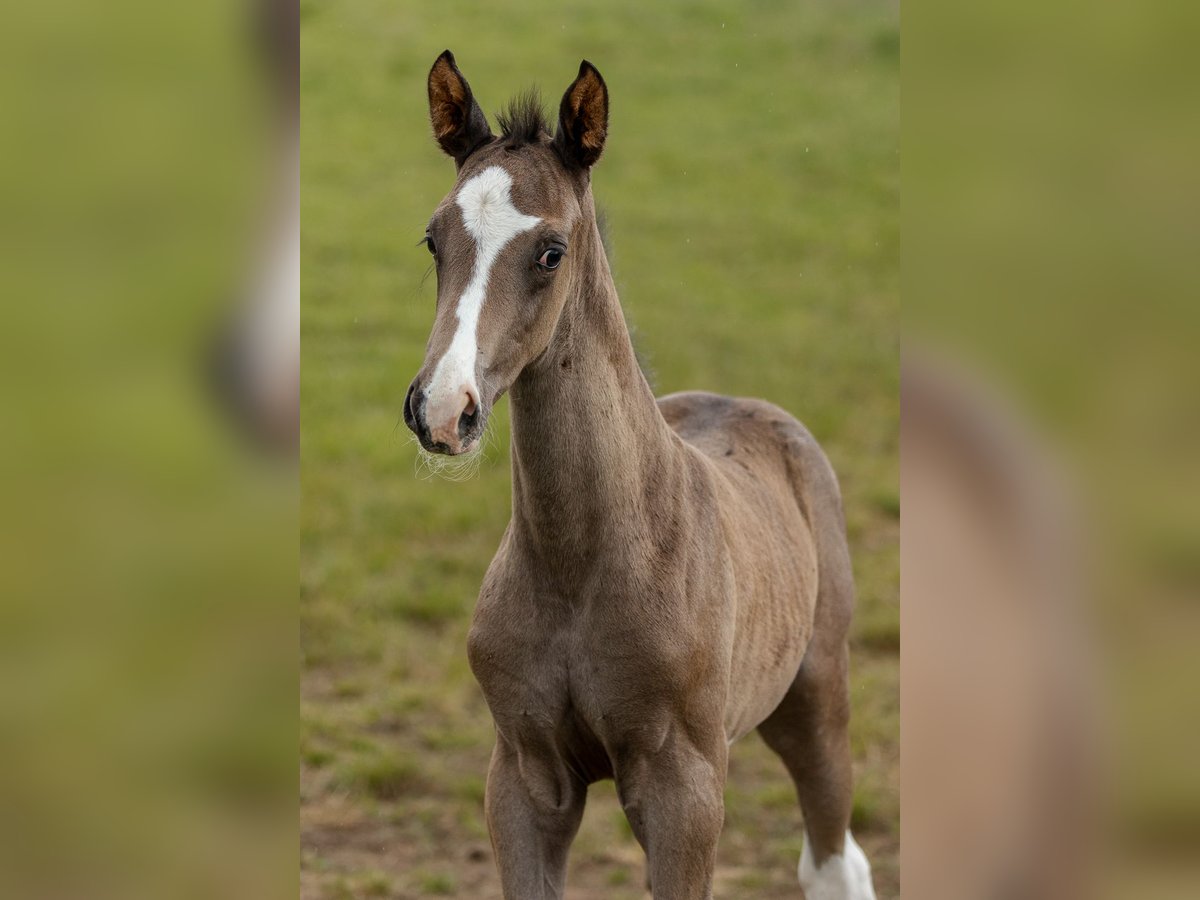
x,y
148,555
1051,432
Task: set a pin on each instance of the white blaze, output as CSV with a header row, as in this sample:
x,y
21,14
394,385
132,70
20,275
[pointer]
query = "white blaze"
x,y
491,219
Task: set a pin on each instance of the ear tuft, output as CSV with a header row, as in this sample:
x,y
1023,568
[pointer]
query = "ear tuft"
x,y
583,118
459,125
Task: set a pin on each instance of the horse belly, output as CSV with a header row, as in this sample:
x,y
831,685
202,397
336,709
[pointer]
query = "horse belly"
x,y
774,566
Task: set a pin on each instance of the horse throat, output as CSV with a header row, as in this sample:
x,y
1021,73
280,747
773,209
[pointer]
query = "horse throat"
x,y
587,434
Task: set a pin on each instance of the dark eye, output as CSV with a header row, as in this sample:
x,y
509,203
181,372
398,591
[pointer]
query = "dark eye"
x,y
429,243
550,259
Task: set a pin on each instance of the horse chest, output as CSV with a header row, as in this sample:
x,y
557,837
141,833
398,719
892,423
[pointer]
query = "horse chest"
x,y
585,681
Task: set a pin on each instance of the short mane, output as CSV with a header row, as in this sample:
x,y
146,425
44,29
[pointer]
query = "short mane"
x,y
524,121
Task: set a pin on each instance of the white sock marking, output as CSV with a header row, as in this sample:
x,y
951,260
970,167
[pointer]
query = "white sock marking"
x,y
491,219
843,876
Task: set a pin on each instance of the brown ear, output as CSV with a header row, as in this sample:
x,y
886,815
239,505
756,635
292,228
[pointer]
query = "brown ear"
x,y
583,118
459,125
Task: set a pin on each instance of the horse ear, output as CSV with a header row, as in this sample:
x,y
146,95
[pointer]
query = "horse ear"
x,y
459,125
583,118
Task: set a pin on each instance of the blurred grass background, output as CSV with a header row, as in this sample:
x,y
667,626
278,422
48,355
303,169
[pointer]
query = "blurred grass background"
x,y
1049,250
751,185
147,562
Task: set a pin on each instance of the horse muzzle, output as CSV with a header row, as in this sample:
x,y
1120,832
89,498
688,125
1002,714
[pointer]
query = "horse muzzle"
x,y
451,423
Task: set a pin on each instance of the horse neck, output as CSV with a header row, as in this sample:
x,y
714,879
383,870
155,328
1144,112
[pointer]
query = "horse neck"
x,y
587,434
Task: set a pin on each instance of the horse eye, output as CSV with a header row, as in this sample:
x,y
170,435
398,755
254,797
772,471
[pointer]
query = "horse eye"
x,y
550,259
430,245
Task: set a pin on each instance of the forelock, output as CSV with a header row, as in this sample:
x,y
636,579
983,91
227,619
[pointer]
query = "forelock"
x,y
524,120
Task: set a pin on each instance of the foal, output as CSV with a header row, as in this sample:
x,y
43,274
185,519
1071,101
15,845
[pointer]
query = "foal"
x,y
675,573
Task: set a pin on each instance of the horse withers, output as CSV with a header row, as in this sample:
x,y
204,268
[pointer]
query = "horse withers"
x,y
675,573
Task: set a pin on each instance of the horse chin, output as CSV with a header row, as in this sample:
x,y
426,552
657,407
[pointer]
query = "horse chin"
x,y
464,449
470,444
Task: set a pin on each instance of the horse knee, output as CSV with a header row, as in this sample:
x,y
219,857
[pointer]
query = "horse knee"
x,y
679,795
700,811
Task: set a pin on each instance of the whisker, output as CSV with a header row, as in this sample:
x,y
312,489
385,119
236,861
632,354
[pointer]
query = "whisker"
x,y
463,467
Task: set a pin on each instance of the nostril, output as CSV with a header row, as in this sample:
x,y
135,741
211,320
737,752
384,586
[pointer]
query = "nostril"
x,y
469,417
410,408
408,413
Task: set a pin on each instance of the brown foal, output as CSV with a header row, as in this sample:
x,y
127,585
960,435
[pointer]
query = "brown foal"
x,y
675,573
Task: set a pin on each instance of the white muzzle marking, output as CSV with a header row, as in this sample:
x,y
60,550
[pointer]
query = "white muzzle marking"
x,y
491,219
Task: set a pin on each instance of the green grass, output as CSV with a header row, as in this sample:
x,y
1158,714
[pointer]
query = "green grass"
x,y
437,883
751,184
385,776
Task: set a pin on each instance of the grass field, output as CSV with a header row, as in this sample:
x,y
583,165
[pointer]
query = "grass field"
x,y
751,184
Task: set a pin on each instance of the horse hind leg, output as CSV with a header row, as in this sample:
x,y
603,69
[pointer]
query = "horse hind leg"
x,y
809,730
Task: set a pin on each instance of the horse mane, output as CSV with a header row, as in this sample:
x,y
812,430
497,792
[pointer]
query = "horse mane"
x,y
524,120
640,353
